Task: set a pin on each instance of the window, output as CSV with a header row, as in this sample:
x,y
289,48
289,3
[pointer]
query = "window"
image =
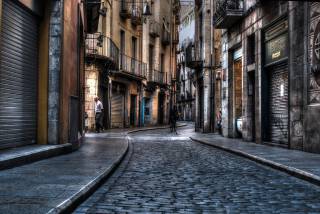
x,y
122,41
251,49
134,47
162,63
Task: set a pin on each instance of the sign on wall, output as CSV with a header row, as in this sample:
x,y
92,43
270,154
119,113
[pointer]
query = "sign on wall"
x,y
276,42
276,49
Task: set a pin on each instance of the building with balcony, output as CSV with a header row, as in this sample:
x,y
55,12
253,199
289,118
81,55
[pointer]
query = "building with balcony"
x,y
128,65
270,88
201,55
185,72
227,13
159,53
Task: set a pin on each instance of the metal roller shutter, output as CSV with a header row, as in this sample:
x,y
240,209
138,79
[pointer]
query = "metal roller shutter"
x,y
117,110
279,104
18,76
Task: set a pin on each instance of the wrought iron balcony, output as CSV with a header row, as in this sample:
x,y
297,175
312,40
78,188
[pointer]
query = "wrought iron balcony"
x,y
133,66
165,37
100,47
177,19
125,9
227,13
159,77
176,6
194,58
136,15
155,28
156,76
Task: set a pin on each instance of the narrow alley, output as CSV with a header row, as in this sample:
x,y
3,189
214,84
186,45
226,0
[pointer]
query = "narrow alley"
x,y
168,173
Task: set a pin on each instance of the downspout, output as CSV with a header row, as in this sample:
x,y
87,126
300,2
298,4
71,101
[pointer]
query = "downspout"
x,y
170,69
212,91
140,86
55,67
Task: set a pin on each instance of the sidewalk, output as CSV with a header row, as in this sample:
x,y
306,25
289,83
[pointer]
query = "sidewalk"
x,y
56,183
297,163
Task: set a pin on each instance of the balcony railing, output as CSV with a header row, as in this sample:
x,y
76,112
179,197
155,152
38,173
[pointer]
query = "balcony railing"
x,y
155,28
165,38
194,57
133,66
128,9
228,12
159,77
125,9
101,47
176,6
136,15
177,19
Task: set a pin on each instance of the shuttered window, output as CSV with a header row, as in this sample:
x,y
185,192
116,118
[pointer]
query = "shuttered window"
x,y
278,96
18,76
117,110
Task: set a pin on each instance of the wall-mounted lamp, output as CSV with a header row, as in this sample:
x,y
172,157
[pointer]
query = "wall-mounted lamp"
x,y
103,11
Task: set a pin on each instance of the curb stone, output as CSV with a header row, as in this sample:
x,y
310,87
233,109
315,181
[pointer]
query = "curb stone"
x,y
309,177
85,192
28,157
72,202
154,128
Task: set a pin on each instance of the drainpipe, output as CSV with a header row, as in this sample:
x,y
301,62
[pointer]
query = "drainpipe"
x,y
171,73
55,66
212,72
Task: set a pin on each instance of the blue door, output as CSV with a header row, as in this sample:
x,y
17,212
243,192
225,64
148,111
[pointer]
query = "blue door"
x,y
142,111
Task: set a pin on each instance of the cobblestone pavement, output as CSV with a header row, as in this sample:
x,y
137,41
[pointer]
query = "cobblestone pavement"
x,y
165,173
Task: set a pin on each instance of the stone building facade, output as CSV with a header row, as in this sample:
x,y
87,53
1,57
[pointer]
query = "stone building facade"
x,y
204,57
130,63
41,72
270,75
186,89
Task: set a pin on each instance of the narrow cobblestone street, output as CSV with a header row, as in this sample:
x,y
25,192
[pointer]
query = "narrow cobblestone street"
x,y
168,173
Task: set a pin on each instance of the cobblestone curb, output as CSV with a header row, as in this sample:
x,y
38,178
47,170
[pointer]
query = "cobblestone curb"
x,y
31,156
287,169
71,203
154,128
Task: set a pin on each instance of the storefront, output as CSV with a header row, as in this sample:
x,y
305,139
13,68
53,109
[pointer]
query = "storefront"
x,y
118,105
237,91
18,75
275,111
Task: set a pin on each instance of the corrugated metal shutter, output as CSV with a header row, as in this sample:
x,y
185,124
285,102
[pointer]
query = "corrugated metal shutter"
x,y
18,76
279,104
117,110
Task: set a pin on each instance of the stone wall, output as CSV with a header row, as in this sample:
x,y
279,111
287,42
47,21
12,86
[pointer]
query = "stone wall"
x,y
312,105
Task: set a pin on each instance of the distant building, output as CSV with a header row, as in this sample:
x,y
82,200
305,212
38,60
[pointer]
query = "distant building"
x,y
185,86
203,56
130,63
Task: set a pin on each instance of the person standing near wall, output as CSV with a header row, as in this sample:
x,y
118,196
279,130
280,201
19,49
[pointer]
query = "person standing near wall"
x,y
173,119
98,114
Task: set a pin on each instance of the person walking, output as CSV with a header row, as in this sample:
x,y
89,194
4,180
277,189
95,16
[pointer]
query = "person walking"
x,y
173,119
98,114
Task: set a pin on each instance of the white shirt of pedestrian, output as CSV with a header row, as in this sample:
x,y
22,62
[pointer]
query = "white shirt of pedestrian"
x,y
98,107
